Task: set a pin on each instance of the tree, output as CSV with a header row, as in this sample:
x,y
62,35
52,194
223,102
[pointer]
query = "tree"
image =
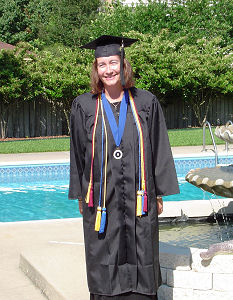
x,y
14,22
191,19
64,74
16,84
170,69
51,21
66,17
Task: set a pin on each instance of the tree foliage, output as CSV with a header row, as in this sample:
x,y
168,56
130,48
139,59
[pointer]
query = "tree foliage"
x,y
50,21
57,75
63,23
73,23
64,74
184,50
170,69
191,19
15,81
13,21
16,84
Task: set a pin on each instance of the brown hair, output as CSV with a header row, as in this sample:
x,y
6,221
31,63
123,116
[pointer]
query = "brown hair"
x,y
97,85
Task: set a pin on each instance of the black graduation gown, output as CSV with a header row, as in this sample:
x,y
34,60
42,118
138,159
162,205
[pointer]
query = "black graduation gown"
x,y
126,257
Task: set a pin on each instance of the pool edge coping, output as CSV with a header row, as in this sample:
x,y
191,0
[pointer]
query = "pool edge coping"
x,y
67,160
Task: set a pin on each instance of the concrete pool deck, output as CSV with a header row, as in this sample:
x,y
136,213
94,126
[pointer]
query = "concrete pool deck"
x,y
56,238
63,156
39,241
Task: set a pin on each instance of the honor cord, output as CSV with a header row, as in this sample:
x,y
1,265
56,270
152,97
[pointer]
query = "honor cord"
x,y
142,160
104,215
89,196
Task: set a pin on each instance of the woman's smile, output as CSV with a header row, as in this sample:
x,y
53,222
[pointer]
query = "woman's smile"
x,y
110,77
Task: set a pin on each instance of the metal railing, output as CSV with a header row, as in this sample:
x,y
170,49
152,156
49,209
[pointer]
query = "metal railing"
x,y
206,123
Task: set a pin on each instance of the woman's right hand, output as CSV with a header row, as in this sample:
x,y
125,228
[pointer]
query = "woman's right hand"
x,y
80,204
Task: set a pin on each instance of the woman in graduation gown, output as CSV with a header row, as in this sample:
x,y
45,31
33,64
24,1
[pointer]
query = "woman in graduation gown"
x,y
120,167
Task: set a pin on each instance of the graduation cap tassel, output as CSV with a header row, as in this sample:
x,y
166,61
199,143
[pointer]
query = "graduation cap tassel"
x,y
122,65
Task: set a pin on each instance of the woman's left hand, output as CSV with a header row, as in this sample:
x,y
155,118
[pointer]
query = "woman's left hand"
x,y
159,205
80,205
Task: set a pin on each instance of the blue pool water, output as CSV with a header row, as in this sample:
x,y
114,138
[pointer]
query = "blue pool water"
x,y
188,192
35,192
38,200
38,192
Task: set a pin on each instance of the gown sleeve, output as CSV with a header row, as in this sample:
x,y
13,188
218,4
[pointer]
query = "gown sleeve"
x,y
164,169
77,150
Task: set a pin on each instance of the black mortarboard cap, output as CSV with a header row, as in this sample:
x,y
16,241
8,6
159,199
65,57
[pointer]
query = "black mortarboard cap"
x,y
108,45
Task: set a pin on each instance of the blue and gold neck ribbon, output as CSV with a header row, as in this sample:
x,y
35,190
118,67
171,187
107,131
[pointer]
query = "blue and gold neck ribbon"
x,y
117,131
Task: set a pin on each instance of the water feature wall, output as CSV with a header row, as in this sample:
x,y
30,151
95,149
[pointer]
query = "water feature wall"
x,y
187,277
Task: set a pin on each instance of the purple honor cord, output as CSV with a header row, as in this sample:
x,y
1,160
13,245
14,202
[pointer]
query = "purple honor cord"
x,y
117,131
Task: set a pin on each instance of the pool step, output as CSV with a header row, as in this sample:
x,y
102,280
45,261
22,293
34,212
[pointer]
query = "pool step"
x,y
57,269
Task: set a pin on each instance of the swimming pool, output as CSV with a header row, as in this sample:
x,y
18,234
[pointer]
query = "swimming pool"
x,y
38,192
35,192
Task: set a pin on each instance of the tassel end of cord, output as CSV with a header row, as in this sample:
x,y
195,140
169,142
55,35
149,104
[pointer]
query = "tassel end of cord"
x,y
91,202
98,219
145,208
103,221
139,203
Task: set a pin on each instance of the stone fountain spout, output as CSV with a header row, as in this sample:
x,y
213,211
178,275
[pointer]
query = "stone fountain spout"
x,y
219,248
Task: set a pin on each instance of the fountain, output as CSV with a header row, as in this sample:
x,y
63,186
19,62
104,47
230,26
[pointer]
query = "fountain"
x,y
218,181
191,273
219,248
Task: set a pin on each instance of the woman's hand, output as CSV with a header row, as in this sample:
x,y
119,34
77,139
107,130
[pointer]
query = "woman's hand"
x,y
80,204
159,205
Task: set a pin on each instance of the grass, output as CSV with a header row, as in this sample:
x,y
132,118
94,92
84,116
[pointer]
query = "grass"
x,y
177,137
35,145
191,137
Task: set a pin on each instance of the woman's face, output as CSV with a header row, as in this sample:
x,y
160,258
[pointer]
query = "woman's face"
x,y
108,69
